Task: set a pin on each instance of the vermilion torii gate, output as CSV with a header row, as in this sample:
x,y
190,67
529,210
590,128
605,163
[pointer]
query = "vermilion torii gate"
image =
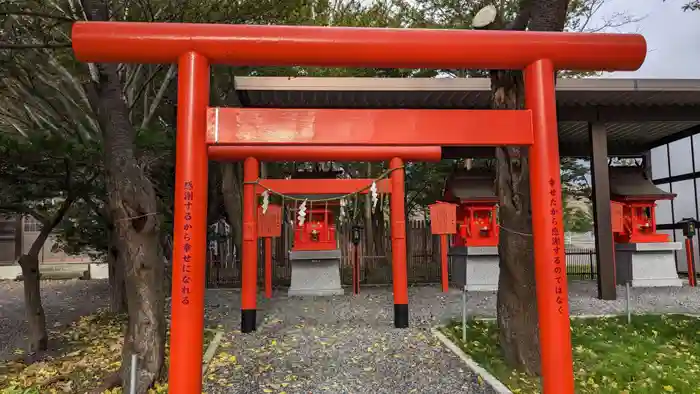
x,y
195,46
254,186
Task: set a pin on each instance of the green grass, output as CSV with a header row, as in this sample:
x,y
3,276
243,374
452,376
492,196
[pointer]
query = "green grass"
x,y
655,354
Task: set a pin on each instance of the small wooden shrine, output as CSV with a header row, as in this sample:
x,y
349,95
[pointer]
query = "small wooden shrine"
x,y
637,195
315,255
477,206
643,256
474,248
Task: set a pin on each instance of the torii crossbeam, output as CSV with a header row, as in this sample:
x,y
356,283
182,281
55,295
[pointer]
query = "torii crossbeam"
x,y
196,46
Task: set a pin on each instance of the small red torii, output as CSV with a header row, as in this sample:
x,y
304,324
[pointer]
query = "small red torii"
x,y
197,46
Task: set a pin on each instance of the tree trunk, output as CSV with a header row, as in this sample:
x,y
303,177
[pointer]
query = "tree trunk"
x,y
369,226
517,298
369,250
379,230
231,187
132,204
225,95
117,285
381,270
215,206
133,208
36,318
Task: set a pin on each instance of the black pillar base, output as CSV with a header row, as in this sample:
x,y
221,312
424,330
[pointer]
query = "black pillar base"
x,y
248,320
401,315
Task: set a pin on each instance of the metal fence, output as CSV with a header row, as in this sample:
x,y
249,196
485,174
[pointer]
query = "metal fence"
x,y
423,259
581,263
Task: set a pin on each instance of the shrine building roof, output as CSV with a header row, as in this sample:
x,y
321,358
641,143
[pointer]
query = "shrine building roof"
x,y
632,181
471,185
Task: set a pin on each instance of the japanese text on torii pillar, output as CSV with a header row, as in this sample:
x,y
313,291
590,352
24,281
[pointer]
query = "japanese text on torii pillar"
x,y
187,247
556,244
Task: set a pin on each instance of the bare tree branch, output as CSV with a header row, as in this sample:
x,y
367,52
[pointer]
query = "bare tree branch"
x,y
38,15
7,45
159,96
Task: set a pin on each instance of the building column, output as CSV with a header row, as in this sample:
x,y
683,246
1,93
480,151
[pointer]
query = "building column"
x,y
604,245
646,162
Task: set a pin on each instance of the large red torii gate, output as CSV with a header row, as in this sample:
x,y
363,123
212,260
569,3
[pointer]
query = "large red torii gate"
x,y
195,46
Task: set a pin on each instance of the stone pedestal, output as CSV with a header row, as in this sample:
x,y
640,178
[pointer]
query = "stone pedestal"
x,y
475,267
99,270
10,271
315,273
647,264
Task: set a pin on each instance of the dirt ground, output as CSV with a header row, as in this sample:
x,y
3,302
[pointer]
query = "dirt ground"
x,y
65,301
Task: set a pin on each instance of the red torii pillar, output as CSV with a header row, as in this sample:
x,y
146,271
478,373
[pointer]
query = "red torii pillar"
x,y
193,46
249,259
398,244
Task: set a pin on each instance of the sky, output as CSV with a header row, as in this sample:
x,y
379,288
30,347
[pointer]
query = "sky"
x,y
673,37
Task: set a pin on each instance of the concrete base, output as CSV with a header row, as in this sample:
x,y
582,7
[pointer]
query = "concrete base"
x,y
315,273
10,271
47,271
98,270
475,267
647,264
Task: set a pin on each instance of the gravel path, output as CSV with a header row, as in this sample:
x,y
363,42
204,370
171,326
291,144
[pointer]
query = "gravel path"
x,y
583,301
348,344
65,301
335,345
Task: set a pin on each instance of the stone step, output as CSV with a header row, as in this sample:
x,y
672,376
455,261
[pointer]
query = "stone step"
x,y
65,267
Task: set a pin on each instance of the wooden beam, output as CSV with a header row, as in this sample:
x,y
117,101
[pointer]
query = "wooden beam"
x,y
620,113
320,186
270,126
270,45
324,153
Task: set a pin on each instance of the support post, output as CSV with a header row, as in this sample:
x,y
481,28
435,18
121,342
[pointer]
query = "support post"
x,y
190,226
604,245
268,267
689,260
548,235
398,244
249,270
355,270
443,262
